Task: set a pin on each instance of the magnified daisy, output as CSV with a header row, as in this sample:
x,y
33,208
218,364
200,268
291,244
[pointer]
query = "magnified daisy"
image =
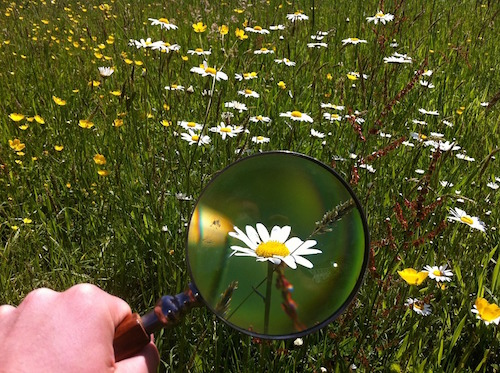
x,y
440,273
297,115
488,312
457,214
274,246
419,306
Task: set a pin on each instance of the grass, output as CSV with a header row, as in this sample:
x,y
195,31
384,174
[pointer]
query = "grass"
x,y
63,223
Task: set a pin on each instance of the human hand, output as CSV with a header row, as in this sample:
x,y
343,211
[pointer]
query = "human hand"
x,y
70,331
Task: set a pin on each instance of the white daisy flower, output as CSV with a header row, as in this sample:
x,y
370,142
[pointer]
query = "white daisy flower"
x,y
332,117
274,246
461,216
276,27
465,157
440,273
106,71
249,93
199,52
418,306
194,138
164,46
332,106
492,185
317,134
297,16
260,118
163,23
236,105
263,50
484,104
353,41
246,76
190,125
297,115
398,58
260,139
380,16
367,167
286,61
226,130
205,70
257,30
317,45
174,87
428,112
427,84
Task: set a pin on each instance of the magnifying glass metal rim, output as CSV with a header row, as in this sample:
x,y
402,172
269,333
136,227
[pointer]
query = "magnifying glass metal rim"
x,y
359,281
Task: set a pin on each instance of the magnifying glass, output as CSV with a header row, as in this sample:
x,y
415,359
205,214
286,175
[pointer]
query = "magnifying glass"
x,y
277,247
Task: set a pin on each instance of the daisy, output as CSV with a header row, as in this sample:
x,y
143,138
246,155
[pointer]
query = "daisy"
x,y
440,273
484,104
286,61
174,87
461,216
427,112
163,22
260,139
317,134
465,157
425,83
492,185
380,16
199,52
297,16
488,312
317,45
356,75
226,130
249,93
106,71
331,106
246,76
332,117
260,118
276,27
165,47
205,70
263,50
297,115
236,105
274,246
418,306
190,125
353,41
194,138
412,276
398,58
257,30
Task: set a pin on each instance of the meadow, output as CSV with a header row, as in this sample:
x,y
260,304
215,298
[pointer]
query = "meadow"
x,y
114,115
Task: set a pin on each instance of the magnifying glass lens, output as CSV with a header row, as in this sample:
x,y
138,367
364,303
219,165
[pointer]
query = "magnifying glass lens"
x,y
277,245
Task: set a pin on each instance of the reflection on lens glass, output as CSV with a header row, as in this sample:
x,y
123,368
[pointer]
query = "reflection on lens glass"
x,y
277,245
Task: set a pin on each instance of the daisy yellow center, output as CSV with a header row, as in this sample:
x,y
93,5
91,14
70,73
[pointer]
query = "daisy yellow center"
x,y
379,14
354,39
173,86
258,28
437,272
263,49
195,137
248,91
335,115
259,117
164,20
149,42
271,248
226,129
199,50
191,124
466,219
418,306
260,138
210,70
296,114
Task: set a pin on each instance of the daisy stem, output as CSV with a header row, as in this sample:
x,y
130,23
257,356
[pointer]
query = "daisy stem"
x,y
270,270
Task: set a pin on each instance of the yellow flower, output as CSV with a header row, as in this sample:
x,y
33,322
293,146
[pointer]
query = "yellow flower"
x,y
139,63
27,221
223,30
103,172
166,123
59,148
59,101
128,61
329,76
199,27
412,277
488,312
17,145
184,58
39,119
118,122
84,123
23,127
239,11
240,34
16,117
116,93
99,159
352,77
282,84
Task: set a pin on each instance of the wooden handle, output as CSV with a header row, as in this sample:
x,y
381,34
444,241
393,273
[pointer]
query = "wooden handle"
x,y
130,337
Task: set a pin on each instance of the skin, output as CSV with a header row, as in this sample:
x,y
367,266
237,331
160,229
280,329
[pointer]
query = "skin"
x,y
71,331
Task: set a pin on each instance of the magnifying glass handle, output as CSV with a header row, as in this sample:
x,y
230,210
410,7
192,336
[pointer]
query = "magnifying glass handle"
x,y
134,332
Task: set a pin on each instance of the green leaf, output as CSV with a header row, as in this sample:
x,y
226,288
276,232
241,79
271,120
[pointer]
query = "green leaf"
x,y
456,333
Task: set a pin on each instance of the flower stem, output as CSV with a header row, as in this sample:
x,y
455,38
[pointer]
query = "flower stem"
x,y
270,270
